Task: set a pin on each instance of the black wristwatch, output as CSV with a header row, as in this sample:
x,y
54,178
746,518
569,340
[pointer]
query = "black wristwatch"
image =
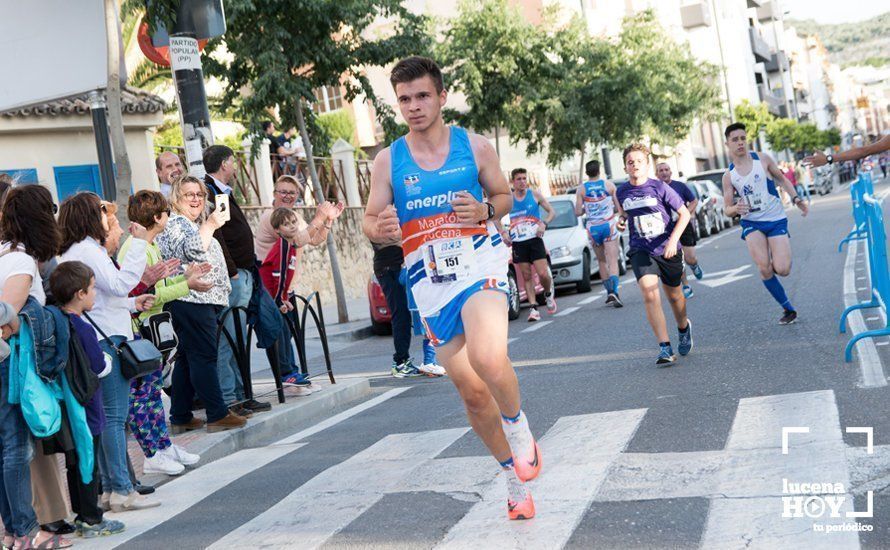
x,y
796,199
490,210
830,159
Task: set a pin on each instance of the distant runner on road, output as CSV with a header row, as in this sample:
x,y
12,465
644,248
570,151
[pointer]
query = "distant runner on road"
x,y
595,199
764,223
687,239
525,235
427,190
645,206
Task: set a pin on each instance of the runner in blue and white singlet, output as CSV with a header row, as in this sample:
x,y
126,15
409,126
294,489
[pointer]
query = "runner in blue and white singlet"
x,y
752,177
447,261
595,199
438,190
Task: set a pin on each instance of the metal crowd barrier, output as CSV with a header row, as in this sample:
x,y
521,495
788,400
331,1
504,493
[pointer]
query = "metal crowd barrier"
x,y
858,189
296,323
871,211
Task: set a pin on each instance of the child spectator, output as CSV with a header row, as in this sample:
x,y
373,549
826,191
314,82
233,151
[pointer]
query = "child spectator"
x,y
278,268
74,287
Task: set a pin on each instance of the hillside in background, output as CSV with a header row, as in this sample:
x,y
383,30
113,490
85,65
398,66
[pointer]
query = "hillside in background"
x,y
863,43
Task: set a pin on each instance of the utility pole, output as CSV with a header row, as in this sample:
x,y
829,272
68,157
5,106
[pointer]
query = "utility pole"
x,y
194,114
124,181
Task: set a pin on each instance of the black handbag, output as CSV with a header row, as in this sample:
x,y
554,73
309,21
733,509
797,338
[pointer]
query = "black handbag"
x,y
137,357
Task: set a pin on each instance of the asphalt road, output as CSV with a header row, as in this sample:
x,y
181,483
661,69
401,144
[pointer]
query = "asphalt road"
x,y
634,456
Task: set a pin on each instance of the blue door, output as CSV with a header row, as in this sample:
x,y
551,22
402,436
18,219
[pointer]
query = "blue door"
x,y
72,179
23,175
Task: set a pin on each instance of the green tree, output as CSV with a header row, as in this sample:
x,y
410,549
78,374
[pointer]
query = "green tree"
x,y
832,137
754,117
281,51
781,134
488,54
596,91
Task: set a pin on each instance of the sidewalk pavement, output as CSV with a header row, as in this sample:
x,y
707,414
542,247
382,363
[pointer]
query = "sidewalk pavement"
x,y
358,327
284,419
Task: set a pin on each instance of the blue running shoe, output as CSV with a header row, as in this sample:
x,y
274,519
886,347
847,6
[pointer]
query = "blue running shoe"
x,y
665,356
687,292
685,345
696,270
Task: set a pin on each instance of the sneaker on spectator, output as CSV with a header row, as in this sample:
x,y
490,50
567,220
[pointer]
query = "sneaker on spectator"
x,y
182,456
431,369
405,369
295,379
297,391
133,501
105,501
255,406
101,529
162,463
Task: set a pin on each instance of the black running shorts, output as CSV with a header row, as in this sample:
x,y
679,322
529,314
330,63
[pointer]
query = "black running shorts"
x,y
687,238
526,252
669,271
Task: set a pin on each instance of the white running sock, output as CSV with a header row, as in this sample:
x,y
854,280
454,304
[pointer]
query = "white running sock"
x,y
519,436
516,491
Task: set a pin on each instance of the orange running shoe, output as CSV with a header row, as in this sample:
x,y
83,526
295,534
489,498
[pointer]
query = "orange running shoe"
x,y
528,469
521,510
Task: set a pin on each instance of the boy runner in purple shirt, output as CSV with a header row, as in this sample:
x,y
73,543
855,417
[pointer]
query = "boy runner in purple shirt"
x,y
645,205
687,239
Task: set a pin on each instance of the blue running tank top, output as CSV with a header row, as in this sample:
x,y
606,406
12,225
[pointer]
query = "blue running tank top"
x,y
524,218
759,191
599,208
443,257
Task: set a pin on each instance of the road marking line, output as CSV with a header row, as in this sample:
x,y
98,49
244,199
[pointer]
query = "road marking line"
x,y
184,492
337,418
720,236
578,452
589,300
860,278
567,311
536,326
882,343
511,340
866,353
333,499
872,318
745,516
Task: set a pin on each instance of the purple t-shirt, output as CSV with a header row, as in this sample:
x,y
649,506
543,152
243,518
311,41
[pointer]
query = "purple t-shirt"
x,y
648,207
86,334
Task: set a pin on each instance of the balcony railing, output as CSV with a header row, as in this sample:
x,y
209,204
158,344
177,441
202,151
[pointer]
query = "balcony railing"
x,y
777,62
330,175
775,100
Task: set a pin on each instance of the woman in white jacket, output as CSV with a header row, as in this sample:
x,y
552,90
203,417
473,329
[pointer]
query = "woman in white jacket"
x,y
84,226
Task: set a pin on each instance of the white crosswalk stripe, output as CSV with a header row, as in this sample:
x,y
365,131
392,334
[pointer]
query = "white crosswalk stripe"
x,y
585,461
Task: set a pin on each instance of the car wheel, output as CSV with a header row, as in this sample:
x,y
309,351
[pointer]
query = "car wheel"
x,y
717,224
513,296
584,284
705,228
380,328
622,258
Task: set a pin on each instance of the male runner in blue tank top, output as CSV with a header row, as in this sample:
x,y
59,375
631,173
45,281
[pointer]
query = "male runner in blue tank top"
x,y
525,237
645,205
427,190
595,198
764,223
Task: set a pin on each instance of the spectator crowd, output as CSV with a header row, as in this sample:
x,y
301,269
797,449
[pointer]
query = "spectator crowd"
x,y
95,331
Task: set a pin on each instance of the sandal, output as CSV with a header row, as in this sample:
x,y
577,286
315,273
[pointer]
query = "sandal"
x,y
55,542
8,541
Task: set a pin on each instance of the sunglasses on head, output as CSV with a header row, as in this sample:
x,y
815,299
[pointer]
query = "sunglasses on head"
x,y
55,208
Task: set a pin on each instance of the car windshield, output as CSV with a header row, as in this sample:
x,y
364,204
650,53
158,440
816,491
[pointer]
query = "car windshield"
x,y
565,215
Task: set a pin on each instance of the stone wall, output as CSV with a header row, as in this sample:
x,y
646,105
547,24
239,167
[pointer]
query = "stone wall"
x,y
353,251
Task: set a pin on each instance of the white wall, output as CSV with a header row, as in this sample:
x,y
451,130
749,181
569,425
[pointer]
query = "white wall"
x,y
44,149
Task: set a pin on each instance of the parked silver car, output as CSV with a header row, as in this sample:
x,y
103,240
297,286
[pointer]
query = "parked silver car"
x,y
571,254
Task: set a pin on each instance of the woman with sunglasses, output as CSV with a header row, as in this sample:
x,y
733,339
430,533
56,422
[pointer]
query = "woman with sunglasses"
x,y
146,417
188,238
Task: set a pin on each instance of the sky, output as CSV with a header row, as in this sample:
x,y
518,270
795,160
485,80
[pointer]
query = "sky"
x,y
834,11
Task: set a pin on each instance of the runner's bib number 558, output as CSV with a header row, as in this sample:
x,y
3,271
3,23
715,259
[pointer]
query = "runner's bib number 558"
x,y
449,261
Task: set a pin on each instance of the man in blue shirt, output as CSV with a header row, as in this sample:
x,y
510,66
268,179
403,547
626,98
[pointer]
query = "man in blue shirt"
x,y
687,239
